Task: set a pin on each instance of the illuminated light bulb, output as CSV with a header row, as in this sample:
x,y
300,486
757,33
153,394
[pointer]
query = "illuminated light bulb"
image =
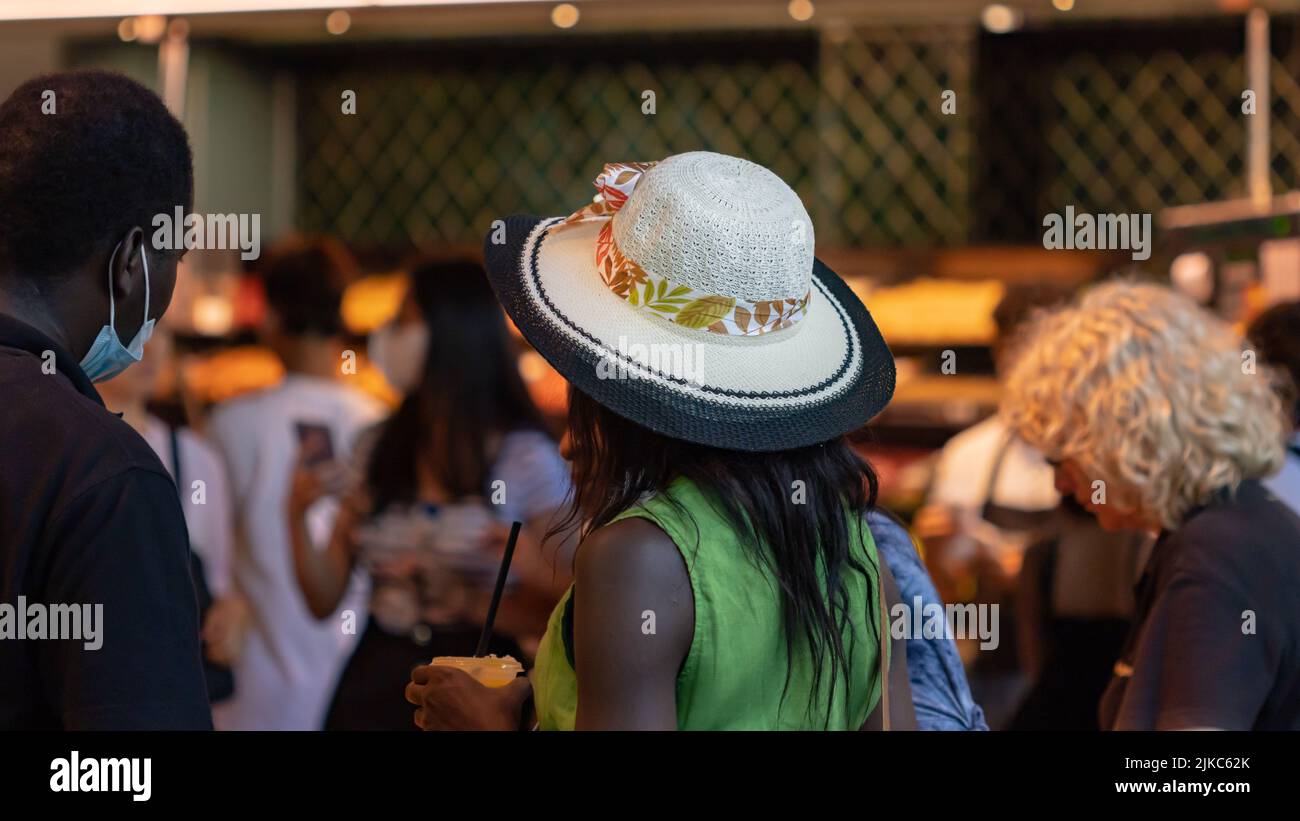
x,y
1193,274
801,10
212,315
565,16
338,22
149,28
1000,19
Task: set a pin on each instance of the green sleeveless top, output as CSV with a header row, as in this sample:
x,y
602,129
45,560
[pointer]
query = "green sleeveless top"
x,y
734,674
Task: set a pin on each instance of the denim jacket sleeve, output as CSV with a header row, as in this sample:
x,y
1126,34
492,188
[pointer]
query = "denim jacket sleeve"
x,y
939,690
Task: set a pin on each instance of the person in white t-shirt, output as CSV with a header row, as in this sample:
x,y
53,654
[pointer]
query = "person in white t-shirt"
x,y
286,673
204,492
1276,335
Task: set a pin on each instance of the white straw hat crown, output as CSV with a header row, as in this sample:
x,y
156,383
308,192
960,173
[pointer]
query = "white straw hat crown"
x,y
686,298
722,225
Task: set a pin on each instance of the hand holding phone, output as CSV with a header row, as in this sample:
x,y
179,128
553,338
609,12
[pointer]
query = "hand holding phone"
x,y
316,473
314,442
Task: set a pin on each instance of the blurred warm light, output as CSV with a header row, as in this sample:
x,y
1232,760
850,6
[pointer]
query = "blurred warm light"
x,y
372,301
370,380
1000,19
928,311
565,15
149,28
126,29
212,315
1063,5
532,366
231,372
249,302
1193,274
546,387
178,29
338,22
800,10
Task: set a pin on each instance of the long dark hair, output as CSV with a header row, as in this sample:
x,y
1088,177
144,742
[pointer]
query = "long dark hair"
x,y
470,390
615,461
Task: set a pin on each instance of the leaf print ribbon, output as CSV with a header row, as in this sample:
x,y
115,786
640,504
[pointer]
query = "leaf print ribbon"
x,y
675,302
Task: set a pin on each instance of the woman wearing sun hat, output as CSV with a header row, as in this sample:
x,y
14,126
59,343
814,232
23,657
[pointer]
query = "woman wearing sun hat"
x,y
726,578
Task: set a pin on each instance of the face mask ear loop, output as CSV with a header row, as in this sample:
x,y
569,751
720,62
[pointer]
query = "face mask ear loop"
x,y
144,260
112,303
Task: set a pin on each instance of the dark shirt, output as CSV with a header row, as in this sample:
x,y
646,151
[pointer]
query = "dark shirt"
x,y
88,516
1217,634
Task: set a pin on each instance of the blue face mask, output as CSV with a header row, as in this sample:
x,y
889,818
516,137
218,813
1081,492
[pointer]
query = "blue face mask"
x,y
107,356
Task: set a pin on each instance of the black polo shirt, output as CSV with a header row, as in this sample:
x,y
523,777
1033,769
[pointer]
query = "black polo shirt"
x,y
88,516
1216,639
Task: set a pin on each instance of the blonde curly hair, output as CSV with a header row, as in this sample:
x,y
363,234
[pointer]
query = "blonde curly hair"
x,y
1148,392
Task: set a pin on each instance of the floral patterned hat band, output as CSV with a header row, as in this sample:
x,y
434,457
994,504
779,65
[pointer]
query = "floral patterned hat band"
x,y
674,301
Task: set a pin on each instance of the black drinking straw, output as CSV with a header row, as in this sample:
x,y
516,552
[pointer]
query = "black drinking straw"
x,y
496,592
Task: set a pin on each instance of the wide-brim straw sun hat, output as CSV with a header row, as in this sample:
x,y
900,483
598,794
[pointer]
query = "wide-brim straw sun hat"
x,y
687,299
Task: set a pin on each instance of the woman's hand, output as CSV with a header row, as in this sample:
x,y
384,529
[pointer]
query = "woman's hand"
x,y
310,483
451,699
224,629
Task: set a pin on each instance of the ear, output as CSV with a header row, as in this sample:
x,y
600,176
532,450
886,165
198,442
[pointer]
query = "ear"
x,y
126,266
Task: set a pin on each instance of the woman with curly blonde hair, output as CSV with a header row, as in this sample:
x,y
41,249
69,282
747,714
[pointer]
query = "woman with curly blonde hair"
x,y
1156,418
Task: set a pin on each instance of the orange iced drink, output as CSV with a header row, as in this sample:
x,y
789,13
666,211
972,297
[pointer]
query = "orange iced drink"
x,y
490,671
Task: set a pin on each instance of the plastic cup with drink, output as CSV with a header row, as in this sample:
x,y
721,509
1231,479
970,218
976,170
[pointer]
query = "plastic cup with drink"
x,y
491,671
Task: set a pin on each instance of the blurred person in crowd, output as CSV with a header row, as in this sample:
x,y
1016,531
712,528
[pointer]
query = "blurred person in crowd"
x,y
726,578
285,674
90,517
1276,337
205,499
990,491
1063,587
1074,608
437,485
1140,400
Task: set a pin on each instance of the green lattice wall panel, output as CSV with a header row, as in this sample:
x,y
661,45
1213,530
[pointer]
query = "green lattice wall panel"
x,y
1112,119
1122,120
438,150
893,167
1138,132
1285,134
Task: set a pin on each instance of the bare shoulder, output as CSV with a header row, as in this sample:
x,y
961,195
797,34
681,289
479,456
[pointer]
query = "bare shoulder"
x,y
631,581
633,554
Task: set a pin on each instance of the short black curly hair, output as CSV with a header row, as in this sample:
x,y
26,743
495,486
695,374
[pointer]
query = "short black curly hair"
x,y
108,158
